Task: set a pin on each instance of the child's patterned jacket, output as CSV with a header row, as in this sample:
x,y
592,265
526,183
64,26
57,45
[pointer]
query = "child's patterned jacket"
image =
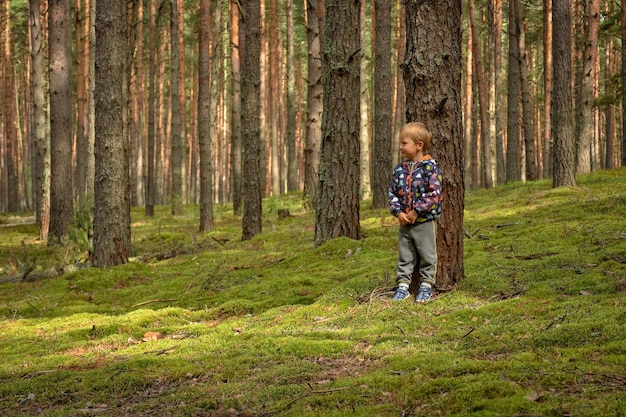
x,y
424,195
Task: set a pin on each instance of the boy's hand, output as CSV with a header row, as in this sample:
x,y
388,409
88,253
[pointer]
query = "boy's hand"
x,y
412,216
403,218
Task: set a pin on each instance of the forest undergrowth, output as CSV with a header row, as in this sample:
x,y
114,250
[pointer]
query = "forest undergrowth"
x,y
205,324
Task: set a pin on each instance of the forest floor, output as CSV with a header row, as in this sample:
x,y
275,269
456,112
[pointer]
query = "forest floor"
x,y
205,324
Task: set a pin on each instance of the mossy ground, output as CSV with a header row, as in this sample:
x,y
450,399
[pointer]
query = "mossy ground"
x,y
274,326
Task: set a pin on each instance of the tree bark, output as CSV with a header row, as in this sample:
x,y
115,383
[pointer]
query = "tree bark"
x,y
483,101
527,106
112,244
338,200
564,164
513,130
381,143
204,119
177,146
432,75
60,62
315,30
41,186
292,159
585,131
547,88
250,122
235,139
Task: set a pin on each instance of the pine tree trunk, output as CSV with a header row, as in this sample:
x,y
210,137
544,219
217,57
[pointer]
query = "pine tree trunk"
x,y
547,88
250,123
112,244
315,30
586,130
292,159
513,131
485,137
204,119
564,163
527,106
623,76
338,199
8,110
41,148
151,185
432,76
381,143
365,135
235,154
60,62
177,141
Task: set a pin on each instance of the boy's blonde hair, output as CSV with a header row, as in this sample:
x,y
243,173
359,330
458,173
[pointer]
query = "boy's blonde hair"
x,y
417,131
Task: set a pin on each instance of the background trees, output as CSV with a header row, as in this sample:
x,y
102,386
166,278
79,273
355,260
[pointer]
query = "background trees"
x,y
507,120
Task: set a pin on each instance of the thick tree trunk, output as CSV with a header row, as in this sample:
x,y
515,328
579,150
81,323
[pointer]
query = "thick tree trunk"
x,y
112,243
250,123
60,62
338,200
381,143
432,76
564,163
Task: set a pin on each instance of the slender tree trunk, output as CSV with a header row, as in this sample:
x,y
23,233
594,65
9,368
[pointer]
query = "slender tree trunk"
x,y
623,15
494,21
547,88
151,186
41,158
432,76
399,99
235,153
585,117
512,135
562,125
60,62
381,143
315,28
469,163
250,121
608,159
527,105
8,108
292,159
177,148
338,200
364,136
204,119
485,137
112,243
274,96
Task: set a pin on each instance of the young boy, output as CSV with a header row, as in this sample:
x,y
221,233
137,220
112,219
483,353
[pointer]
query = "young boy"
x,y
415,199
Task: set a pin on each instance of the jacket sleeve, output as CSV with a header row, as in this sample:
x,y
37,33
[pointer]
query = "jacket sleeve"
x,y
428,201
395,201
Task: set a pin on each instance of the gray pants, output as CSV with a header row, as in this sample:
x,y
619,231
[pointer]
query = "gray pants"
x,y
417,247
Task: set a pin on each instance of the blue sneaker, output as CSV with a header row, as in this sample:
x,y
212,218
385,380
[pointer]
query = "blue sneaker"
x,y
424,294
401,294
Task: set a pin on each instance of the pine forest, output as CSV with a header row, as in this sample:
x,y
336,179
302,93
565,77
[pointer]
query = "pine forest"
x,y
118,104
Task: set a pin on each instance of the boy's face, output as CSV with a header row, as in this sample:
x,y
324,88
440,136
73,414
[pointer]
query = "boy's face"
x,y
409,149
